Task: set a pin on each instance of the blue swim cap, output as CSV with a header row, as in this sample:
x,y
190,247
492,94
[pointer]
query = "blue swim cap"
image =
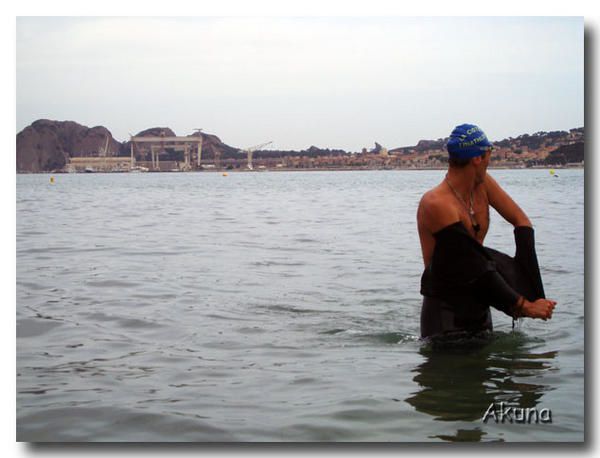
x,y
467,141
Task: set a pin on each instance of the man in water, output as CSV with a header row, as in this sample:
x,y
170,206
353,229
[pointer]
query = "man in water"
x,y
462,279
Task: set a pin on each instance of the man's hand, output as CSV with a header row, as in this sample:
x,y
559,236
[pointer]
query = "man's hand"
x,y
541,308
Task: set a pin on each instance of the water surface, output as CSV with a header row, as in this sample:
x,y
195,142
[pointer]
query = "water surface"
x,y
275,307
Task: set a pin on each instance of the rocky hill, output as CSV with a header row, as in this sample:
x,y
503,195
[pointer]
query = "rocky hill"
x,y
46,145
211,145
565,154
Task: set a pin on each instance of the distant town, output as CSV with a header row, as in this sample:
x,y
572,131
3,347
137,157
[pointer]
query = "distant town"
x,y
69,147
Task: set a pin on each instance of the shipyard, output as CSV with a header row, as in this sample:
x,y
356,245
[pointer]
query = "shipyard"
x,y
94,150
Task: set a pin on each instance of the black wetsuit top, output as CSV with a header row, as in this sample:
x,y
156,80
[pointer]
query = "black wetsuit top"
x,y
465,278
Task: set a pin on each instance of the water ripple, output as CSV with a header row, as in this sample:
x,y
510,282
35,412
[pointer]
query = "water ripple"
x,y
274,307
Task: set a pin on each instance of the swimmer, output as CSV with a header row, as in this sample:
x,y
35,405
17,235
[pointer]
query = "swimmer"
x,y
462,278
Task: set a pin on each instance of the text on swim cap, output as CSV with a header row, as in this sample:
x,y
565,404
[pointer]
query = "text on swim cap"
x,y
473,142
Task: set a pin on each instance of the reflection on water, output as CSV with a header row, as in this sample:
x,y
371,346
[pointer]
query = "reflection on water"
x,y
463,435
460,382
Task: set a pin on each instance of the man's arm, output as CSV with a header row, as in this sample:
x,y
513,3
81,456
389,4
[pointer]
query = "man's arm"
x,y
503,203
511,212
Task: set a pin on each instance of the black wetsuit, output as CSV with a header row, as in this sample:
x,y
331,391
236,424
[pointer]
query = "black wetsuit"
x,y
465,278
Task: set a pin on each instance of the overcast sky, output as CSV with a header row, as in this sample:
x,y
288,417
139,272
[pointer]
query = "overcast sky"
x,y
330,82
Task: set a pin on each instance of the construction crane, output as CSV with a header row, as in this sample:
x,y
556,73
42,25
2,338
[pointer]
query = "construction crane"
x,y
198,133
250,150
104,151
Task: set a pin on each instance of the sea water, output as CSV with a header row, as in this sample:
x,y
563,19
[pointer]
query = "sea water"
x,y
277,306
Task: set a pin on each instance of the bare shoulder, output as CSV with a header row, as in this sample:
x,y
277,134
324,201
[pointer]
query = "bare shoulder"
x,y
430,201
494,191
490,185
435,211
504,204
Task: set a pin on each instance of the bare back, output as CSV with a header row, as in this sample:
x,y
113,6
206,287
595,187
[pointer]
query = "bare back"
x,y
439,207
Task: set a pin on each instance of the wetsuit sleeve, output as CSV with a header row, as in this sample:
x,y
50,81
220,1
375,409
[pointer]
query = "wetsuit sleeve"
x,y
492,289
526,257
519,276
522,272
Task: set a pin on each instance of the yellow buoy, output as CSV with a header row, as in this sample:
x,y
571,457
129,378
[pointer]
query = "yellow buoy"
x,y
551,171
51,180
224,174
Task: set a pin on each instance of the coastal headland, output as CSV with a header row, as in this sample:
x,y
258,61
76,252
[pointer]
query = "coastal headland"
x,y
66,146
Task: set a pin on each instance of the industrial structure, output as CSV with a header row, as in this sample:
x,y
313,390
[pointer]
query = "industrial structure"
x,y
191,147
250,150
152,147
